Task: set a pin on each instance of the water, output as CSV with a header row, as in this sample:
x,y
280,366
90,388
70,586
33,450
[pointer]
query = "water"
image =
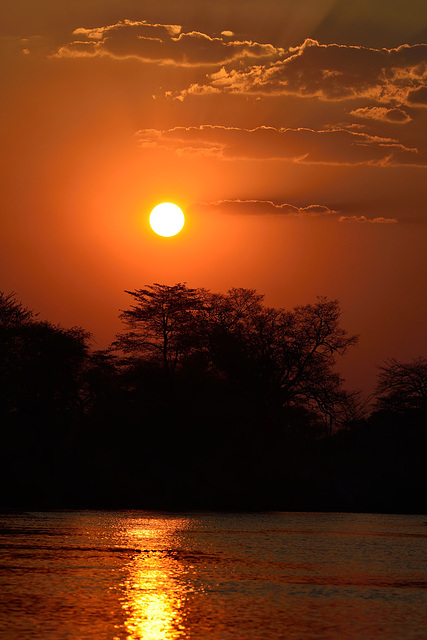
x,y
156,576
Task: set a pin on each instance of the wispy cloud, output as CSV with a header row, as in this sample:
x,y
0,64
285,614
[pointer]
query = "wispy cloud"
x,y
302,145
254,207
164,44
394,115
364,219
265,207
418,96
330,72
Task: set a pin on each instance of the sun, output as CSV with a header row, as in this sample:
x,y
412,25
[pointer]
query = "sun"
x,y
167,219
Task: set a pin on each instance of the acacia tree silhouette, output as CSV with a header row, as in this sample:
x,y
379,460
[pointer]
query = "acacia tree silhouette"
x,y
158,325
288,357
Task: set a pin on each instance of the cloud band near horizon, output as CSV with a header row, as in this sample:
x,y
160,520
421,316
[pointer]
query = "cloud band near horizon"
x,y
268,207
302,145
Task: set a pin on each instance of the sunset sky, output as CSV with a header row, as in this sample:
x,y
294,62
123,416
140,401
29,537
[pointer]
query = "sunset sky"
x,y
292,133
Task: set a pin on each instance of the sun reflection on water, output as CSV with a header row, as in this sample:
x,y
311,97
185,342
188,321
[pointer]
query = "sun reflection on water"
x,y
154,596
147,576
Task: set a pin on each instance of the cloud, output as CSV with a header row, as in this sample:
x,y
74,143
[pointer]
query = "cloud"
x,y
78,49
382,113
330,72
418,97
363,219
266,207
131,28
164,44
327,146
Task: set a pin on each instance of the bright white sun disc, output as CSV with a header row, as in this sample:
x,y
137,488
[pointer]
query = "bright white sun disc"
x,y
167,219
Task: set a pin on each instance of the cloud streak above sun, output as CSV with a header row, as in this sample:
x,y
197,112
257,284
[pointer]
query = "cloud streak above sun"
x,y
394,115
164,44
370,86
302,145
330,72
326,71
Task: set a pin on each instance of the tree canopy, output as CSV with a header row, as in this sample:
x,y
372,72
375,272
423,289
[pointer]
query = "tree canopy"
x,y
159,322
40,363
402,385
288,355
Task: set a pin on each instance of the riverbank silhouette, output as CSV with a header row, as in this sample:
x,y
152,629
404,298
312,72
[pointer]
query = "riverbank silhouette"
x,y
236,406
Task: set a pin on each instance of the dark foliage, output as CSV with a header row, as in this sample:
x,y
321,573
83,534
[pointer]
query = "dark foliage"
x,y
208,401
283,357
402,385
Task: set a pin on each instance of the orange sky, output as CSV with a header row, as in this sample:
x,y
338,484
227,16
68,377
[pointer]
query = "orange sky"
x,y
291,132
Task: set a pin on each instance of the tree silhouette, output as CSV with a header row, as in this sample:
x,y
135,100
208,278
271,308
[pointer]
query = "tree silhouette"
x,y
402,385
40,363
282,357
238,421
289,354
160,324
12,311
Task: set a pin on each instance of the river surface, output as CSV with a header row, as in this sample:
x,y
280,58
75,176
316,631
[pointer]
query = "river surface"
x,y
158,576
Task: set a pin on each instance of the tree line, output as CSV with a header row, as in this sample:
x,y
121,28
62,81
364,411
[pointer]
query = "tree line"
x,y
204,400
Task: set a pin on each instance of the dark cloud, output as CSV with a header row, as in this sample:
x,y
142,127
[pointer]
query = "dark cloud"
x,y
329,72
265,207
79,49
329,146
165,43
132,29
382,113
418,96
364,219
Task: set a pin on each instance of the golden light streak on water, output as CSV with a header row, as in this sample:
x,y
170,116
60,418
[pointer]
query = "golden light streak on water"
x,y
153,613
153,605
159,576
